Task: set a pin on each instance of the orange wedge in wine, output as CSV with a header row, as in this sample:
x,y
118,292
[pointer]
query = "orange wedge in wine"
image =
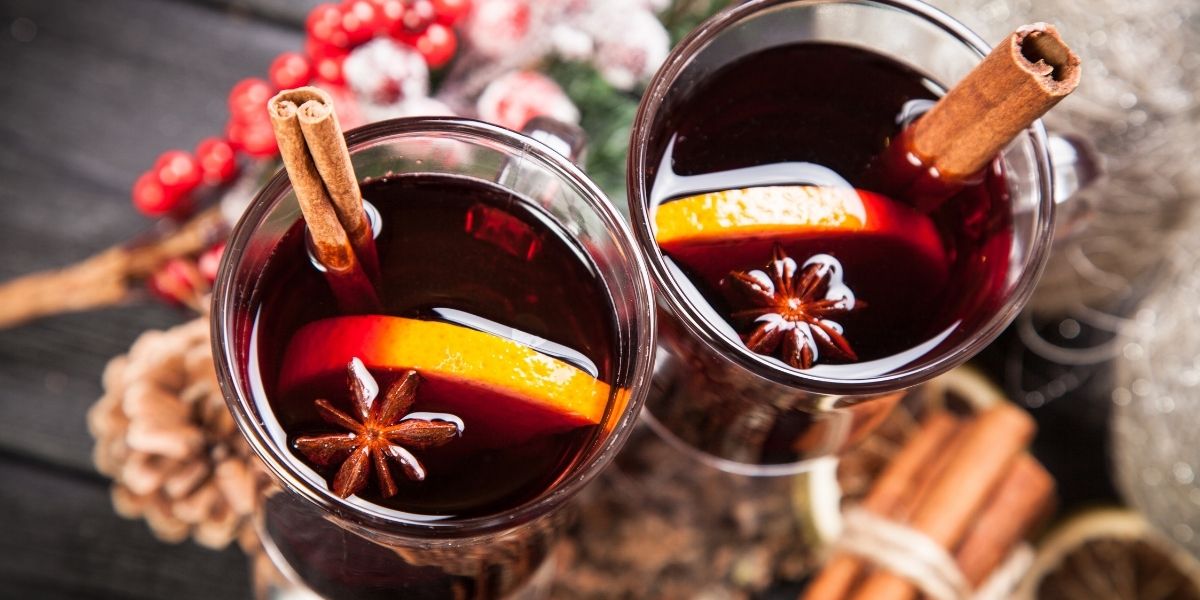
x,y
509,389
874,236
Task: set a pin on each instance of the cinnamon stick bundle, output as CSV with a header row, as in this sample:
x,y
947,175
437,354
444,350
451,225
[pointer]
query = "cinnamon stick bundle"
x,y
1022,78
967,485
318,164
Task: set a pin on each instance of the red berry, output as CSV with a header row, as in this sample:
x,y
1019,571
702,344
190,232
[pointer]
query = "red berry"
x,y
390,14
210,262
360,20
437,45
417,16
450,12
150,197
178,172
248,100
324,26
217,160
316,51
329,69
179,282
290,70
257,140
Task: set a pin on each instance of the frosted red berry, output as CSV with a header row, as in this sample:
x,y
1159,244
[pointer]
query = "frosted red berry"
x,y
324,25
418,15
290,70
437,45
329,69
248,100
259,141
218,163
360,19
255,139
150,197
450,12
390,14
178,172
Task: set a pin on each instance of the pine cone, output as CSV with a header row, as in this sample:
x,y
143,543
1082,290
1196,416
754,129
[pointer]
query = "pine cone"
x,y
165,436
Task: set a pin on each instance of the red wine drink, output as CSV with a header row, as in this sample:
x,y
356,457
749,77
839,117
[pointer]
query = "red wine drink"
x,y
425,440
806,278
778,150
462,253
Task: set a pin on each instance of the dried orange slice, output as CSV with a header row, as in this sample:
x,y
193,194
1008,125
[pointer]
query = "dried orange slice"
x,y
1110,553
716,232
489,381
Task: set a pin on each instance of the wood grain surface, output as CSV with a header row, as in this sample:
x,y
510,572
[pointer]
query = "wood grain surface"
x,y
91,93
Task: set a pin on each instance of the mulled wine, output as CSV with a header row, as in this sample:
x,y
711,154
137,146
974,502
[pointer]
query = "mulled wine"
x,y
769,198
501,314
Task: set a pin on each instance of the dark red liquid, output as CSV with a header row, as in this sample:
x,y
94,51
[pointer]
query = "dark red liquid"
x,y
836,108
470,246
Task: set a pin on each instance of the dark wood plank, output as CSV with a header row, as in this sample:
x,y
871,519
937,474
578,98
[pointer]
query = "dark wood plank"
x,y
291,12
90,101
62,540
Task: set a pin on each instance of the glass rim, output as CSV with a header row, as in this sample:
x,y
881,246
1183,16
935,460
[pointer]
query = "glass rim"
x,y
679,303
642,345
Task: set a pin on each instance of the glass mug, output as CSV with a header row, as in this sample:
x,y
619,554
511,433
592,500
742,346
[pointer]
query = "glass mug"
x,y
712,396
344,549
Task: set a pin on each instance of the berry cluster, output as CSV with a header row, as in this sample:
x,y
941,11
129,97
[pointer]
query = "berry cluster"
x,y
333,31
426,25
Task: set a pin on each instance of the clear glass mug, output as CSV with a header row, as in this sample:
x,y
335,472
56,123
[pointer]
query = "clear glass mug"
x,y
712,396
352,548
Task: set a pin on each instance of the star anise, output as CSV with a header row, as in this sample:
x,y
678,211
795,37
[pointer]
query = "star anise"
x,y
379,432
792,312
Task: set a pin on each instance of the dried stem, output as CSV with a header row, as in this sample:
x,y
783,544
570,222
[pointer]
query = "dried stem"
x,y
107,278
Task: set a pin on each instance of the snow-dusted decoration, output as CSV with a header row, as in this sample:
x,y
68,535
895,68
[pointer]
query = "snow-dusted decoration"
x,y
498,27
517,97
383,72
622,38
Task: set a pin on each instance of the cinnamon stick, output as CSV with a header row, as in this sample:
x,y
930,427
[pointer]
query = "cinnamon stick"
x,y
1023,499
924,481
329,241
323,134
993,441
1022,78
891,489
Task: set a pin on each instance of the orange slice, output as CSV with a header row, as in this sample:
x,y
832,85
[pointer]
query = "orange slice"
x,y
497,385
717,232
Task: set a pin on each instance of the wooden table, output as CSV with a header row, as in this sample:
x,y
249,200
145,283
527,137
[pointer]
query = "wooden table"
x,y
87,105
90,93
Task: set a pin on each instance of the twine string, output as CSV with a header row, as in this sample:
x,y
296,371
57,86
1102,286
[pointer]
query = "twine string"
x,y
912,555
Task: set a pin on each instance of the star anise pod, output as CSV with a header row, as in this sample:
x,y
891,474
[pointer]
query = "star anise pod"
x,y
793,311
377,433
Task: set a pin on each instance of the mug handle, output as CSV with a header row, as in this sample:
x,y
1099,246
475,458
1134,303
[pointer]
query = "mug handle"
x,y
565,138
1074,165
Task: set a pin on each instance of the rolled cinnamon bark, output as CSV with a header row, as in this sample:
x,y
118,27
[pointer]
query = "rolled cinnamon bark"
x,y
1021,502
332,247
891,489
327,145
993,442
1023,77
